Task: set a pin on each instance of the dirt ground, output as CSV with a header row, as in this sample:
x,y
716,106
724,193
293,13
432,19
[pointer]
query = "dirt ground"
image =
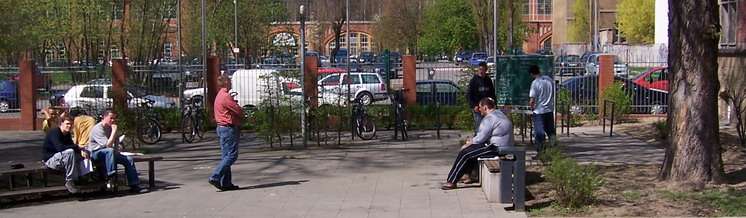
x,y
633,190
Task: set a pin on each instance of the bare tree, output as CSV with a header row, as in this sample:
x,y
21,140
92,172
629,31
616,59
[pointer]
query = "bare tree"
x,y
693,156
398,25
331,13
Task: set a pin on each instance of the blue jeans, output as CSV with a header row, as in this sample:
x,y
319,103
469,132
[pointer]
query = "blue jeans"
x,y
229,154
111,158
477,120
543,127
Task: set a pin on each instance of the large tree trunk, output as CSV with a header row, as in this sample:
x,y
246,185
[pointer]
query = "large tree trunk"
x,y
693,156
337,28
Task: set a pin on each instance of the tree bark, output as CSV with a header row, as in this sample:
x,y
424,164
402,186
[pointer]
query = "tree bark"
x,y
693,157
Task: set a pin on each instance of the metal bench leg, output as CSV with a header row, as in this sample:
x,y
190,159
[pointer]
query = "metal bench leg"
x,y
151,174
11,185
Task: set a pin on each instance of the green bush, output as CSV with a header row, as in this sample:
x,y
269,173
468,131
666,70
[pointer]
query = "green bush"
x,y
622,100
563,101
575,185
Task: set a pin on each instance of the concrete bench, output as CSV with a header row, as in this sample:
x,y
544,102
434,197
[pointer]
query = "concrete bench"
x,y
502,178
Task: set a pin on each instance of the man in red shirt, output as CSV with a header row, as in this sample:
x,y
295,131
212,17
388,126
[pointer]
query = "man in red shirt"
x,y
228,118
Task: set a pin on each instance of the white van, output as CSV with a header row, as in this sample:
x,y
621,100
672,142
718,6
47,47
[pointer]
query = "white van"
x,y
251,86
254,85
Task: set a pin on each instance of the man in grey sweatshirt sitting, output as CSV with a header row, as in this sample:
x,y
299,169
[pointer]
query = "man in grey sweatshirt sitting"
x,y
494,131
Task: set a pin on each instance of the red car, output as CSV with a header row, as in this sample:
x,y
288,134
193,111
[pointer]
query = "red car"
x,y
655,78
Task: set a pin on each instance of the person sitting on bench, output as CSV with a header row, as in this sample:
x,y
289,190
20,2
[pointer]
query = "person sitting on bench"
x,y
103,138
495,130
60,153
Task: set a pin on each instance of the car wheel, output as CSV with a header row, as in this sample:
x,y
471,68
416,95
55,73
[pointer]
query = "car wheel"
x,y
4,106
657,108
366,98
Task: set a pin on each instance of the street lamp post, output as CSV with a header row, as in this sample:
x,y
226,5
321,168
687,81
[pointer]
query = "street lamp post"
x,y
303,75
349,75
235,26
204,48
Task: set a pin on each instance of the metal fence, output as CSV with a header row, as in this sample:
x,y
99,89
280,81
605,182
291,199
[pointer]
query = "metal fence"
x,y
644,82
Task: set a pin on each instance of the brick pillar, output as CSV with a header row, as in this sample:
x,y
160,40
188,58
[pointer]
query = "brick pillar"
x,y
26,94
409,79
309,83
118,82
605,79
213,72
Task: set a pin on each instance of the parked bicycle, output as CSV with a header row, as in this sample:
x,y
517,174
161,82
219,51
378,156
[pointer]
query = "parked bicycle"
x,y
364,126
400,115
192,119
148,124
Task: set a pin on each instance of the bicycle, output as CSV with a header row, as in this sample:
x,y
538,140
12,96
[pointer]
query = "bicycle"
x,y
400,115
364,127
148,125
192,119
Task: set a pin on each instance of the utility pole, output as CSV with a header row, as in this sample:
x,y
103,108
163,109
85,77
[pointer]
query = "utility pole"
x,y
510,26
494,28
204,48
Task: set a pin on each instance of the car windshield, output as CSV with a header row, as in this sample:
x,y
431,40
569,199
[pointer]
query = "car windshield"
x,y
569,58
479,56
137,91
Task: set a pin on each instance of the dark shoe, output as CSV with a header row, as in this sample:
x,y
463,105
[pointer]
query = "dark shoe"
x,y
137,190
448,186
71,187
230,188
215,183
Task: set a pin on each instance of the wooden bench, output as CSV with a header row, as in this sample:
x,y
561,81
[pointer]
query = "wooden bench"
x,y
38,168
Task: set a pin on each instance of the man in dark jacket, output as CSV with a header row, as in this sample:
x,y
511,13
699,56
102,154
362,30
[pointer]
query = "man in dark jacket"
x,y
60,153
480,87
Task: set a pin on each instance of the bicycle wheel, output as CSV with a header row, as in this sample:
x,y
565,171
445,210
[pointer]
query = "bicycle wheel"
x,y
187,130
149,132
365,128
199,125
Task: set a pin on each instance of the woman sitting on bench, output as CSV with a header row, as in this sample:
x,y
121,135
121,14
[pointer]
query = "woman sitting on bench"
x,y
494,131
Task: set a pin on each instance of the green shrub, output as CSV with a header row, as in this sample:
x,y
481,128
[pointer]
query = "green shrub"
x,y
575,185
563,101
622,100
661,128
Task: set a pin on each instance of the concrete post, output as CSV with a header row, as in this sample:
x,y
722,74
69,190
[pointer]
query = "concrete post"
x,y
26,92
409,79
213,72
118,82
605,79
310,84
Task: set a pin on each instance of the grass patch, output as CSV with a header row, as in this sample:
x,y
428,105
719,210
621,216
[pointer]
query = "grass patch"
x,y
631,196
728,202
555,209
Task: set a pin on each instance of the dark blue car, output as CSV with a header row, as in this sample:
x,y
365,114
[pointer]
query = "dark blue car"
x,y
446,92
583,92
8,95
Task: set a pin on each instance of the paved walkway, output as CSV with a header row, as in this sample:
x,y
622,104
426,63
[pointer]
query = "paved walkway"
x,y
380,178
591,145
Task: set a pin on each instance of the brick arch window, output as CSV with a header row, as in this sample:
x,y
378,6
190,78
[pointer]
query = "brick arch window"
x,y
359,42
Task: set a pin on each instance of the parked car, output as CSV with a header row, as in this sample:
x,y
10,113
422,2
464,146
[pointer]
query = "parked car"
x,y
369,87
655,78
446,92
367,57
569,64
341,56
100,96
477,58
583,92
461,57
57,97
591,65
8,95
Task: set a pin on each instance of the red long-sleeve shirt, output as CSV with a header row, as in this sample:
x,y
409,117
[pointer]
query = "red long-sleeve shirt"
x,y
227,111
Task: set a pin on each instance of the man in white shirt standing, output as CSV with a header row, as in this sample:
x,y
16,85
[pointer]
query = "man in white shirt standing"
x,y
542,103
